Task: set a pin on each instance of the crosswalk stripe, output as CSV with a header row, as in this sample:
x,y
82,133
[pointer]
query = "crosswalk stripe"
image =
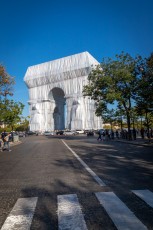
x,y
20,217
120,214
145,195
70,216
99,181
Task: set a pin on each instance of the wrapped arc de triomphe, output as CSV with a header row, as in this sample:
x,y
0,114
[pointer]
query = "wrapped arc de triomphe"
x,y
55,94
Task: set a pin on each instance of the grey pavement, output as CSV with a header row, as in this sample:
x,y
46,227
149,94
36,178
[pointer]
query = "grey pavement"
x,y
15,143
138,141
42,176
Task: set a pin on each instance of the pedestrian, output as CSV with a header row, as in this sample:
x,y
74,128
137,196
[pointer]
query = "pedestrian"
x,y
112,134
109,135
117,134
1,143
134,134
4,134
103,135
6,142
142,131
12,136
106,135
99,137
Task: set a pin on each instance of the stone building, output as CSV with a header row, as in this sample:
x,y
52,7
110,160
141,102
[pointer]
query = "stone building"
x,y
55,94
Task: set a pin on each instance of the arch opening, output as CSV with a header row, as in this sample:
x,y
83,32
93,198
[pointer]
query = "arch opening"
x,y
56,95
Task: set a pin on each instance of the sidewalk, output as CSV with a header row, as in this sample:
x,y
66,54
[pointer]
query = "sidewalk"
x,y
139,141
15,143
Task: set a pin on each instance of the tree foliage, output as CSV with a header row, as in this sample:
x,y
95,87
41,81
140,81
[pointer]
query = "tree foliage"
x,y
109,117
125,82
6,83
114,81
10,111
145,86
24,124
144,102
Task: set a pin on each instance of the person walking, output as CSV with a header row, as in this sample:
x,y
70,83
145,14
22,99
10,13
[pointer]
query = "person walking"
x,y
142,131
4,134
1,143
106,135
134,133
112,134
117,134
6,142
99,137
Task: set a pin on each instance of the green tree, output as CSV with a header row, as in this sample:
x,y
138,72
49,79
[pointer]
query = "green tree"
x,y
120,116
143,109
144,102
114,81
24,124
134,117
6,83
109,116
6,89
12,112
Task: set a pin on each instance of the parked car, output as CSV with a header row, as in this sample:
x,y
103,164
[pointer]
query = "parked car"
x,y
86,131
79,131
21,134
30,133
90,133
69,133
49,133
60,132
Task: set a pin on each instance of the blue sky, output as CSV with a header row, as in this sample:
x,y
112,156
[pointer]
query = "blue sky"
x,y
36,31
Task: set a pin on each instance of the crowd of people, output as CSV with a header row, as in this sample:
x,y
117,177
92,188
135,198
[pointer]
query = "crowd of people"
x,y
124,134
106,134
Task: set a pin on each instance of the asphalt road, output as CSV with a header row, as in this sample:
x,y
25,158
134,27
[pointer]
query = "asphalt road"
x,y
95,181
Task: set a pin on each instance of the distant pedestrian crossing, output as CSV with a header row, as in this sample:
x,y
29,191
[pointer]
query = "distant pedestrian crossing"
x,y
71,217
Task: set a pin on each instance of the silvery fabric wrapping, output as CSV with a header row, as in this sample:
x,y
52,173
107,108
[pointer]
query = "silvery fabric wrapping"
x,y
55,94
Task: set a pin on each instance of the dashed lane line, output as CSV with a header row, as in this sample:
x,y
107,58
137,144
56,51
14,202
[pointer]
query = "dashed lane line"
x,y
99,181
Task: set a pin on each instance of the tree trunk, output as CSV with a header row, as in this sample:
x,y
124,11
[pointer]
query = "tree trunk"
x,y
133,123
141,122
121,124
129,126
111,126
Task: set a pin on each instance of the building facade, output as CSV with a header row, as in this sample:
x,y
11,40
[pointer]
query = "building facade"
x,y
55,94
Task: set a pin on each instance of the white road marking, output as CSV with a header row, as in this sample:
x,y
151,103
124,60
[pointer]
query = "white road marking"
x,y
21,216
145,195
100,182
70,216
120,214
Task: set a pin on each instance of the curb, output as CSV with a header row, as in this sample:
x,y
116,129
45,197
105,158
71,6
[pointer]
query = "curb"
x,y
133,143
